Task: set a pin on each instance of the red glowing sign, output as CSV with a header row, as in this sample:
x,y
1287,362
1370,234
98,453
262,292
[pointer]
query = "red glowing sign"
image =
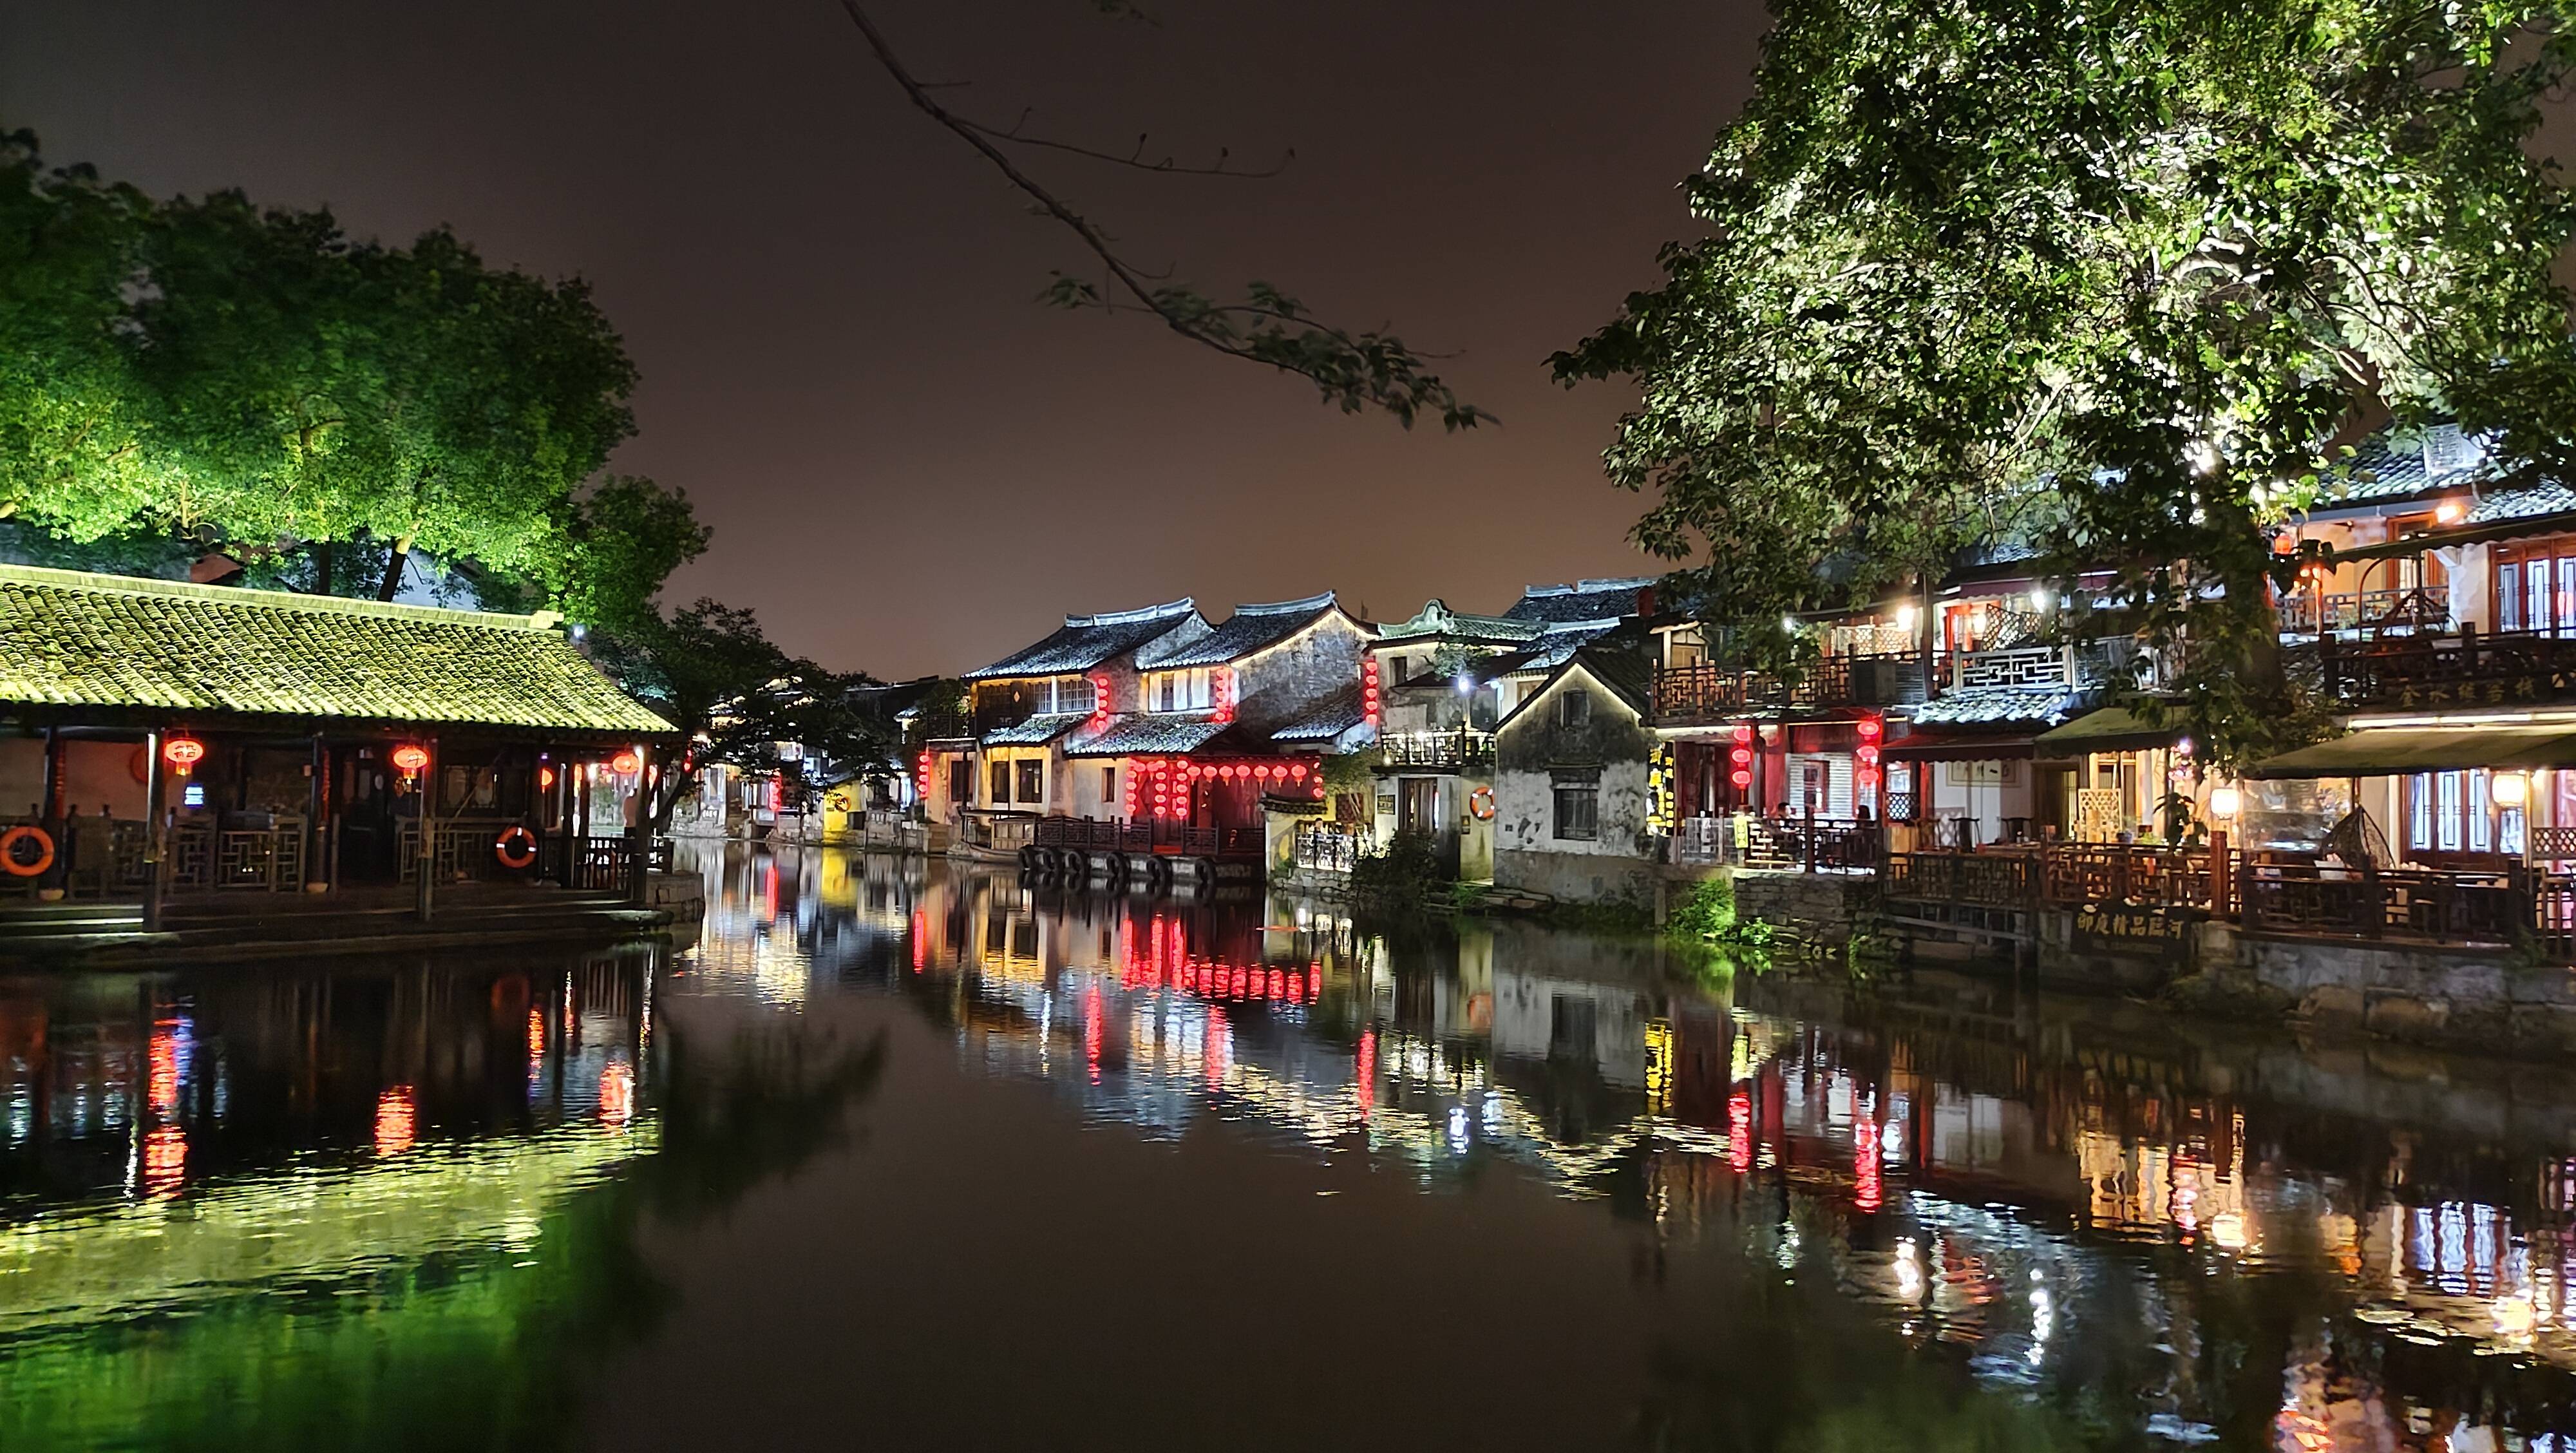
x,y
408,759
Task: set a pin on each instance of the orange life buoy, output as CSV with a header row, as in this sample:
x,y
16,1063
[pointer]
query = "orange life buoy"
x,y
518,836
11,863
1480,804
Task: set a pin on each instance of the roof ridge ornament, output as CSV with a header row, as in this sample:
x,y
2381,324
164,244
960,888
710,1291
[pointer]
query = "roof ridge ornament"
x,y
1182,606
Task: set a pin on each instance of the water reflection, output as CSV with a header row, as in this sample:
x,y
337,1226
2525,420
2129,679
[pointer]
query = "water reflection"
x,y
358,1204
440,1201
2148,1231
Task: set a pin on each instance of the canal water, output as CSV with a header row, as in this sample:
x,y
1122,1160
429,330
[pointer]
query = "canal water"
x,y
897,1156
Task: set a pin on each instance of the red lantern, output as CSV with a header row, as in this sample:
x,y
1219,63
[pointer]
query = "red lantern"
x,y
545,778
1743,732
1742,779
1298,772
1867,755
409,759
1871,728
183,753
1741,756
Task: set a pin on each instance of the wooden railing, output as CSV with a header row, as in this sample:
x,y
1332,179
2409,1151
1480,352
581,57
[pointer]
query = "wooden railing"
x,y
1705,692
596,863
1448,751
2412,611
2419,905
1143,835
2466,670
2080,873
1326,849
2510,907
1991,880
262,859
1812,844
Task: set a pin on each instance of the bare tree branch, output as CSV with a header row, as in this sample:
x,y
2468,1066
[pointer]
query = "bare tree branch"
x,y
1353,371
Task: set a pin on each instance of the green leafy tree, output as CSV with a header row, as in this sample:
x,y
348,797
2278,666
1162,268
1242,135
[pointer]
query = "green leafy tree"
x,y
711,671
2120,281
315,390
71,445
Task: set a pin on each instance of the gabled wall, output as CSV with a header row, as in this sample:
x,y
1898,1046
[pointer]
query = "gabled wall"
x,y
1530,751
1281,684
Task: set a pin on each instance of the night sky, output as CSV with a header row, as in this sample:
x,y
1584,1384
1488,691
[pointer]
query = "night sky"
x,y
910,465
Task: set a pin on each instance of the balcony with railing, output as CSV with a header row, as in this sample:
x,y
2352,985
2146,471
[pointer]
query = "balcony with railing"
x,y
2507,668
1704,692
2407,611
1437,751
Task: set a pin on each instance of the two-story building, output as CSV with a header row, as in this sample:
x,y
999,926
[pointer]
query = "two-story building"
x,y
1152,724
1010,765
1444,679
2443,620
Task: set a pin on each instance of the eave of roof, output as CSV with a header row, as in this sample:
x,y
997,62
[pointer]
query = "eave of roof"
x,y
1249,631
1084,642
79,645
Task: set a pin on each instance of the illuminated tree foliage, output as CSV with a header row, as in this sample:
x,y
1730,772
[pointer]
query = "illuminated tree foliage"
x,y
710,670
256,381
2120,281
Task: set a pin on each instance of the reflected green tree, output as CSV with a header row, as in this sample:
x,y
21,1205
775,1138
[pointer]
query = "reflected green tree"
x,y
479,1347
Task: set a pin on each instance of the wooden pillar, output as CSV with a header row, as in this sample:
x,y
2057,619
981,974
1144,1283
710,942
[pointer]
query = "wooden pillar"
x,y
425,868
639,829
156,831
56,784
317,820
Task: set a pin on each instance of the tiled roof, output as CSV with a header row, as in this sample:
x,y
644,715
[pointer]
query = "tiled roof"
x,y
2531,502
1999,706
72,639
1085,641
1437,620
1326,719
1037,731
1553,648
1625,673
1251,628
1149,734
2380,470
1584,600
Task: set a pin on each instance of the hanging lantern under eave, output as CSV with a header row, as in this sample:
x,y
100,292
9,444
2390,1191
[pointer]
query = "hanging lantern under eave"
x,y
183,754
627,762
1741,778
409,759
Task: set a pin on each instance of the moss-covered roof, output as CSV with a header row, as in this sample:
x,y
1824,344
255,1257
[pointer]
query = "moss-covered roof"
x,y
166,648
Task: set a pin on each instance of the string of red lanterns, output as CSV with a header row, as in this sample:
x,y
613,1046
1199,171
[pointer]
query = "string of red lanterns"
x,y
1369,698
